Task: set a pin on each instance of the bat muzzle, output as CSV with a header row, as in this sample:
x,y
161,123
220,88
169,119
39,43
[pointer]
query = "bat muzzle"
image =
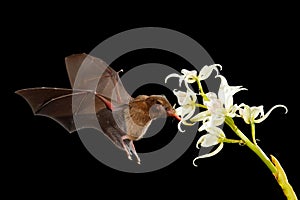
x,y
172,113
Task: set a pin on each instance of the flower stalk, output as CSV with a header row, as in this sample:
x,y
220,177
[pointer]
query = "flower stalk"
x,y
255,148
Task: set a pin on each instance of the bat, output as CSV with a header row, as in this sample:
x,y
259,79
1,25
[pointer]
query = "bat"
x,y
98,100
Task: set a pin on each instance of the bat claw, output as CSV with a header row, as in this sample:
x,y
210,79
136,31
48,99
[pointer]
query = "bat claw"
x,y
130,149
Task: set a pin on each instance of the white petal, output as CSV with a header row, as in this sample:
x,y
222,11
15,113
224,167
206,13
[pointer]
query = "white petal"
x,y
205,124
212,138
182,97
189,90
203,127
193,96
200,116
210,96
190,112
207,140
222,89
213,102
179,111
171,76
269,112
226,92
186,72
215,131
187,123
209,154
217,120
255,111
232,112
230,91
206,71
245,113
179,126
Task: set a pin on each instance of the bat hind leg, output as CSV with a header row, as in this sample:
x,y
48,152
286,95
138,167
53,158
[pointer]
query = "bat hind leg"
x,y
129,147
126,148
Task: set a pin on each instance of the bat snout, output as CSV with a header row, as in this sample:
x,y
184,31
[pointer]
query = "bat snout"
x,y
172,113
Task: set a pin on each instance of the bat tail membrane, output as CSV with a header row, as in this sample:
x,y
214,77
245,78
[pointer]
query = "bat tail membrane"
x,y
62,105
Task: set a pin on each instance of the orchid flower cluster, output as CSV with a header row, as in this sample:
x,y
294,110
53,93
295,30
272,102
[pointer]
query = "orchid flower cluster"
x,y
217,109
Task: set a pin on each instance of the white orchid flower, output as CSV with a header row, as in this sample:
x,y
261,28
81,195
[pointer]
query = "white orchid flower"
x,y
214,136
250,114
226,92
187,76
206,71
218,107
191,76
187,101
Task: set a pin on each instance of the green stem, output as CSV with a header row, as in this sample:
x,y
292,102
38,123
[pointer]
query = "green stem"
x,y
274,165
232,141
229,121
201,90
200,105
253,132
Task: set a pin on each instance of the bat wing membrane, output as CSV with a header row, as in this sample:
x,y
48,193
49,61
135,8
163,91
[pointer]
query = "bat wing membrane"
x,y
62,105
90,73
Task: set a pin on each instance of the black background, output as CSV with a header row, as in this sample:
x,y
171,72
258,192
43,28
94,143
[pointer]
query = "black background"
x,y
257,49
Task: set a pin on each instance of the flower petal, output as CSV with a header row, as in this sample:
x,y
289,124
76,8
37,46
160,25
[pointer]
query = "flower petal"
x,y
185,123
190,112
217,120
184,112
255,111
186,72
269,112
179,111
189,90
245,113
179,126
207,140
232,112
212,138
231,90
206,71
172,76
200,116
226,92
215,131
182,97
209,154
205,124
188,123
222,89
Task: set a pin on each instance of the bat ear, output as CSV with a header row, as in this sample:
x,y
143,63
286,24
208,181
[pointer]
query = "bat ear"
x,y
151,100
141,98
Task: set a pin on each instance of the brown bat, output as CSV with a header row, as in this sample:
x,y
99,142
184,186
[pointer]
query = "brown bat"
x,y
122,118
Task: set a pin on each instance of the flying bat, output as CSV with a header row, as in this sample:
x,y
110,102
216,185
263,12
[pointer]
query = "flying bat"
x,y
98,100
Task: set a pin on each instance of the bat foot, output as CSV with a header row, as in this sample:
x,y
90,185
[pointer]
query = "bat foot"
x,y
130,149
129,157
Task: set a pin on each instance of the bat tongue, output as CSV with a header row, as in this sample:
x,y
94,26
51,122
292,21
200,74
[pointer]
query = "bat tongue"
x,y
173,114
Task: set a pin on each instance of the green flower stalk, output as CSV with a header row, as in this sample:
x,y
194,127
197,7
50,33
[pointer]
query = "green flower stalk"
x,y
219,109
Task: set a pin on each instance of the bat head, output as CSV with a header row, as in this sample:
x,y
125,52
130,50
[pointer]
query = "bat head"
x,y
159,107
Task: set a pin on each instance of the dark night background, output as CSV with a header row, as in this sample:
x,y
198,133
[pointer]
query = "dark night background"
x,y
256,49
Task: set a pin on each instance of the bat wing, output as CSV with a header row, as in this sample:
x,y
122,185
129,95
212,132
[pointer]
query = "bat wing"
x,y
90,73
57,104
